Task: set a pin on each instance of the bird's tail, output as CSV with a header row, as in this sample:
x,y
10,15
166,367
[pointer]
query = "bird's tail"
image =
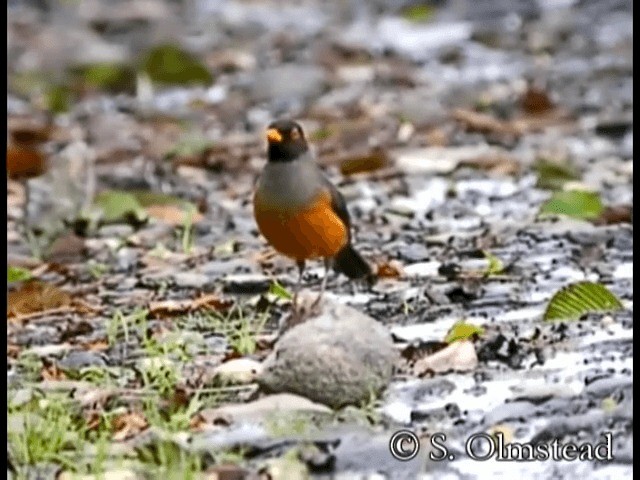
x,y
351,263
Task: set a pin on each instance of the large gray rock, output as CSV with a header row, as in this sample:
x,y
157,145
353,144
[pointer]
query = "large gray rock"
x,y
338,357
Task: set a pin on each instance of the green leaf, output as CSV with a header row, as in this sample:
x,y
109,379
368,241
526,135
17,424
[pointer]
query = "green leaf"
x,y
495,267
553,175
575,300
148,197
463,331
574,203
17,274
111,77
419,13
58,98
321,134
118,206
168,64
279,291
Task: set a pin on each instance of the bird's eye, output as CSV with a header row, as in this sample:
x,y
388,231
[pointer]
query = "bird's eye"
x,y
295,134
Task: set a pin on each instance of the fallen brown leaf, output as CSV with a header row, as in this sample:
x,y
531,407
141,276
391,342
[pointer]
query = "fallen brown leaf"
x,y
35,296
375,159
496,164
51,372
437,137
225,471
483,123
535,101
94,397
458,356
168,308
96,346
128,425
172,214
92,419
391,269
13,350
180,398
35,299
24,162
614,215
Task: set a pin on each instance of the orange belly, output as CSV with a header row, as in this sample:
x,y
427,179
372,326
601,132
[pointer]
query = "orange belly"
x,y
311,233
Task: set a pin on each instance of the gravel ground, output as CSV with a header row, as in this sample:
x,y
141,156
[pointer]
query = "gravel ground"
x,y
431,119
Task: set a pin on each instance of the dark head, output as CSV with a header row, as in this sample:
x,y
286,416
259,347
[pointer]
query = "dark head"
x,y
286,141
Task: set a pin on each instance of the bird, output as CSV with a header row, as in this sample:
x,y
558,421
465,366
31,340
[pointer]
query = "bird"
x,y
301,214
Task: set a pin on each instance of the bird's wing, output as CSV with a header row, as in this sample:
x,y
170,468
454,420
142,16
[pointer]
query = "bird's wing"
x,y
338,204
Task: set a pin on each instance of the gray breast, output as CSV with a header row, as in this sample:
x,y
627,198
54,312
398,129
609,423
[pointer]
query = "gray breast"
x,y
289,185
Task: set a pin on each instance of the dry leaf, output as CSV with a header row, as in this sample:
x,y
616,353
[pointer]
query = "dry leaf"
x,y
437,137
51,372
172,214
36,296
391,269
225,471
94,396
13,350
29,131
614,215
128,425
497,164
168,308
483,123
92,419
24,162
373,160
535,101
458,356
96,346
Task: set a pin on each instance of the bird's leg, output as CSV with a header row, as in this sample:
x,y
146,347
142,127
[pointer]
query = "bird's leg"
x,y
323,286
300,264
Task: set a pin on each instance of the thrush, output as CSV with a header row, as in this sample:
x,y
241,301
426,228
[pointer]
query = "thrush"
x,y
300,212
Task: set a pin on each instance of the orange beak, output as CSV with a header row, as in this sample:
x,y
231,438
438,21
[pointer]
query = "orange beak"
x,y
274,135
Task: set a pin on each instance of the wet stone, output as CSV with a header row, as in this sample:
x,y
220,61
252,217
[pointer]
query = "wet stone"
x,y
246,284
77,360
126,259
126,285
116,231
191,280
44,335
217,268
414,252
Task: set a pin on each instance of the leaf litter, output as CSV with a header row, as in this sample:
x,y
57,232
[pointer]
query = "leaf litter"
x,y
372,138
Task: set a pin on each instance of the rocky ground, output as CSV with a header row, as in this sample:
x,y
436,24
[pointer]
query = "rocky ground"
x,y
146,315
